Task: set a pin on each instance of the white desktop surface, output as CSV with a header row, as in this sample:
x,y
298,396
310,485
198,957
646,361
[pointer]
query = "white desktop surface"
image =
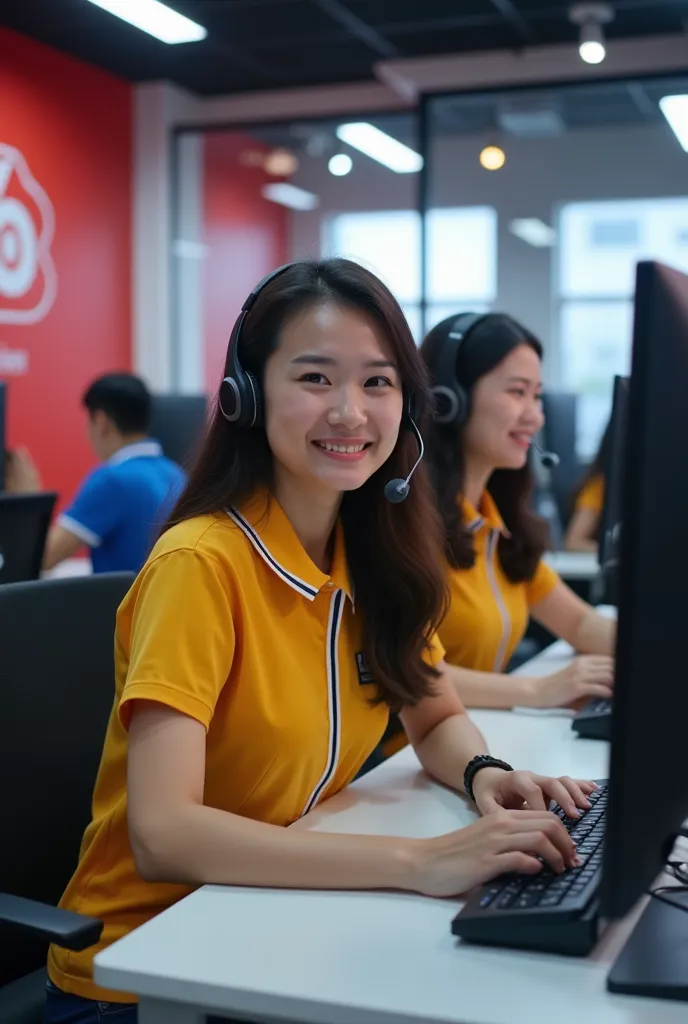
x,y
380,957
70,567
574,565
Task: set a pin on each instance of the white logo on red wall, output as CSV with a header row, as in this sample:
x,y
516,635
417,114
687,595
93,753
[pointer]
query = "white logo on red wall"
x,y
28,278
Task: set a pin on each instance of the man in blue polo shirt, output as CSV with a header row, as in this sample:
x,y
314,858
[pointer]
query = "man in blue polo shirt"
x,y
121,504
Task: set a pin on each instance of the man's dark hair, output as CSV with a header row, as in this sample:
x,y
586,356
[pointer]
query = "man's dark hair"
x,y
124,398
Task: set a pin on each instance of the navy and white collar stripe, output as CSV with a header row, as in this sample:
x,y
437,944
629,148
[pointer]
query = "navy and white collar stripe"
x,y
303,588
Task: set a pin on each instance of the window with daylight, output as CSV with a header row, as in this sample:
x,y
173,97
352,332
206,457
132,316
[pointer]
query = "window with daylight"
x,y
599,246
461,257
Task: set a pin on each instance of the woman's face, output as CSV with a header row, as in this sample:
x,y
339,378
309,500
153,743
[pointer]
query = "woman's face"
x,y
333,399
506,411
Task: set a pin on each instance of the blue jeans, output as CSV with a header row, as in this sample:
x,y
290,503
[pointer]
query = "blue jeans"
x,y
63,1008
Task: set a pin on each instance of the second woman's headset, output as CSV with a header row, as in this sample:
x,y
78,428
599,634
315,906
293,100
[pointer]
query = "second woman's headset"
x,y
451,397
241,399
452,403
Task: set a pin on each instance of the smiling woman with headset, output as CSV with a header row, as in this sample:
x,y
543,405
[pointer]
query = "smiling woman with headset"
x,y
486,375
286,607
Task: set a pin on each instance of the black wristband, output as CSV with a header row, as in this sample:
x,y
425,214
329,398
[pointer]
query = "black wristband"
x,y
474,766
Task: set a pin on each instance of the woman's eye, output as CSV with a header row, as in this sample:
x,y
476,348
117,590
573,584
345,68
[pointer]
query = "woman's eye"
x,y
378,382
518,391
314,378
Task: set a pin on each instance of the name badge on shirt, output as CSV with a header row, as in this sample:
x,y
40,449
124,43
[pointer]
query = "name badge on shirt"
x,y
365,676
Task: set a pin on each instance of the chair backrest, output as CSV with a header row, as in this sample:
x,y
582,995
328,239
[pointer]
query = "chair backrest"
x,y
56,695
24,522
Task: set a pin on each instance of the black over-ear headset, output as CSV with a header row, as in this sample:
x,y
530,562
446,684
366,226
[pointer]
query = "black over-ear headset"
x,y
241,400
452,404
451,397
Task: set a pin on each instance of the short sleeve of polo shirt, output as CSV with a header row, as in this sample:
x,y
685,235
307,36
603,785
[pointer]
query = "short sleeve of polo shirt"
x,y
182,639
434,652
543,583
592,495
96,509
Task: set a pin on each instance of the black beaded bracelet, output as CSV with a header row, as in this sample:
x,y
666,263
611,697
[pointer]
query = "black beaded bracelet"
x,y
474,766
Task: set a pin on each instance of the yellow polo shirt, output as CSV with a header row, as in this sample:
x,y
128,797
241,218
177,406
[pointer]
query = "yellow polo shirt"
x,y
231,623
488,614
591,496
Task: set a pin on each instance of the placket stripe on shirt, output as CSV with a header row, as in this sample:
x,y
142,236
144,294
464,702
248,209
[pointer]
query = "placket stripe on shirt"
x,y
332,648
498,665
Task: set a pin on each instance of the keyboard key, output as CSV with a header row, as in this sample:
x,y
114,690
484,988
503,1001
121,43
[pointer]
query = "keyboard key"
x,y
527,899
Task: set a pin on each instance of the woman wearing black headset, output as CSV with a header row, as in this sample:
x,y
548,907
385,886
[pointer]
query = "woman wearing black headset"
x,y
247,687
486,374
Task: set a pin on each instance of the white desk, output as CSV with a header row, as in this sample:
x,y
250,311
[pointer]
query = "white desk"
x,y
375,958
70,567
574,565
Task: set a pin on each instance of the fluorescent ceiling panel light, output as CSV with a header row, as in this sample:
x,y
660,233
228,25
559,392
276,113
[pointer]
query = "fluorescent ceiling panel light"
x,y
285,194
675,109
533,231
368,139
157,19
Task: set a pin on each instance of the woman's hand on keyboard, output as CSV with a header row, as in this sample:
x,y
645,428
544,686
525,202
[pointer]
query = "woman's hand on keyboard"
x,y
495,789
500,843
588,675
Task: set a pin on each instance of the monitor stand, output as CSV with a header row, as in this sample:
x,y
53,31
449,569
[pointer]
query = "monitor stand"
x,y
654,960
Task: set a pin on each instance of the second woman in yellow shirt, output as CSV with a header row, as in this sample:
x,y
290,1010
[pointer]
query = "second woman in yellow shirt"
x,y
486,371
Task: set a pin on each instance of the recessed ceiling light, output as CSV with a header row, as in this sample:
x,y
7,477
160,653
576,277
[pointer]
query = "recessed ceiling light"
x,y
368,139
492,158
340,164
156,18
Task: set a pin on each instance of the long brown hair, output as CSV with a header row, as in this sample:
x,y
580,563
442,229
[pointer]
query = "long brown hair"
x,y
394,552
484,348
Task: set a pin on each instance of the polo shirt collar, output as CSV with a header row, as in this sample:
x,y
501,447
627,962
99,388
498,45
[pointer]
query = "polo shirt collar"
x,y
267,527
487,515
137,450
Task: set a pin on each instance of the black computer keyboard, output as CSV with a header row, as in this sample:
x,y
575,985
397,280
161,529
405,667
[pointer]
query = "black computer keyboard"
x,y
547,910
594,720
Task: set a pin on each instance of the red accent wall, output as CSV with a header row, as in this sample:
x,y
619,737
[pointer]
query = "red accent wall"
x,y
246,237
65,301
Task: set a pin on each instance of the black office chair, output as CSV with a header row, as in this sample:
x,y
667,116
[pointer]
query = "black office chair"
x,y
24,522
56,695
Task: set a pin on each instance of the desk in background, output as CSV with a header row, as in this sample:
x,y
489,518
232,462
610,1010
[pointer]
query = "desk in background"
x,y
574,566
377,957
70,567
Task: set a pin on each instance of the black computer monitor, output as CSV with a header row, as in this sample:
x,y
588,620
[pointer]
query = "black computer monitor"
x,y
178,422
612,512
559,434
3,433
648,782
24,523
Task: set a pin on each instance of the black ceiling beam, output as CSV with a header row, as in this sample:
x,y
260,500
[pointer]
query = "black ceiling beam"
x,y
358,28
515,19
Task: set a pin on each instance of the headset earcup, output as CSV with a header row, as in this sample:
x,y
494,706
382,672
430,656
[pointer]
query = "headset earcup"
x,y
254,404
230,400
